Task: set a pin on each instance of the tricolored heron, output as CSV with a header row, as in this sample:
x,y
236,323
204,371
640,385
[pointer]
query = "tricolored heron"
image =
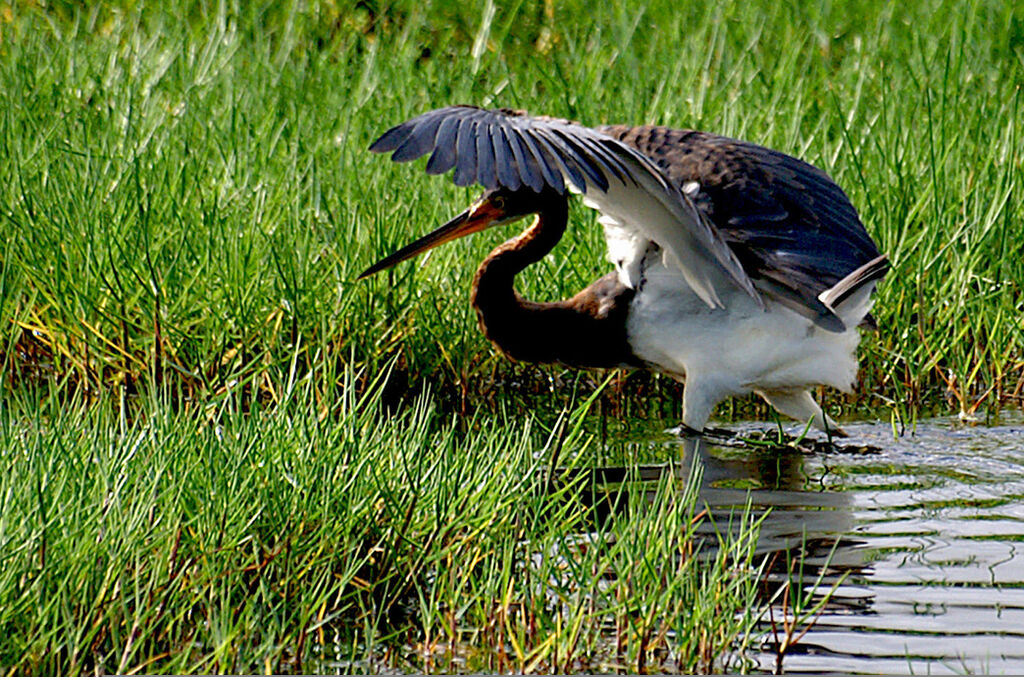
x,y
738,268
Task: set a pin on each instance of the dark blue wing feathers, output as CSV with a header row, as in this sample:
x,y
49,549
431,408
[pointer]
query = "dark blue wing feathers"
x,y
552,177
394,137
561,157
421,140
611,162
485,171
505,160
443,157
501,148
584,159
465,164
529,170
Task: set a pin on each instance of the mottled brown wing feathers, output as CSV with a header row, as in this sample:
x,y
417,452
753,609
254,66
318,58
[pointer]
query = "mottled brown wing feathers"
x,y
787,221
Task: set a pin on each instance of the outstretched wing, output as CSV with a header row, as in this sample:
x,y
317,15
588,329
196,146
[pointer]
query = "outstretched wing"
x,y
793,229
511,149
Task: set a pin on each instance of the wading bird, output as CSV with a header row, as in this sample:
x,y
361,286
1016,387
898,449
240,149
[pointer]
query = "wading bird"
x,y
738,268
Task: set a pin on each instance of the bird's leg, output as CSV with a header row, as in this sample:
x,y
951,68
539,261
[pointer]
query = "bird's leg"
x,y
699,400
800,405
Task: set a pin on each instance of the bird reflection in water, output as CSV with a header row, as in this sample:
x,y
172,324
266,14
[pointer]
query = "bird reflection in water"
x,y
803,528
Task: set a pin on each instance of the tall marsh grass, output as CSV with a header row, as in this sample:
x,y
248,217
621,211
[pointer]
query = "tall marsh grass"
x,y
278,540
186,195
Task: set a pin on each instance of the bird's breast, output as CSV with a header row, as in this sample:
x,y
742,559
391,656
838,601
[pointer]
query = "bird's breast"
x,y
671,329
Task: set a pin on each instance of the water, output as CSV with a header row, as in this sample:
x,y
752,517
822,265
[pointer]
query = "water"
x,y
916,538
926,528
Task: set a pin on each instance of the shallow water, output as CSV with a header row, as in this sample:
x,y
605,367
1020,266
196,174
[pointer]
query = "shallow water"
x,y
927,529
916,537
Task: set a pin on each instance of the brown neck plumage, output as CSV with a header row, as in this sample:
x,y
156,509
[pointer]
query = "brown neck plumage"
x,y
587,330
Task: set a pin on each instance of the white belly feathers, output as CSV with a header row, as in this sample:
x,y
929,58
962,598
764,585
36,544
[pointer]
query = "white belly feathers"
x,y
740,347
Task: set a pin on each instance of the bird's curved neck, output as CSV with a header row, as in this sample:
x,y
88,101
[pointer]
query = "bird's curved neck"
x,y
587,330
498,306
510,258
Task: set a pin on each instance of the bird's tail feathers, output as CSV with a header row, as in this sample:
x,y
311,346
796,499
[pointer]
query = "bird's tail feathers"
x,y
850,298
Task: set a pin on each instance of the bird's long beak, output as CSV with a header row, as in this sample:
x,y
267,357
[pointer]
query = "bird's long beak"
x,y
479,217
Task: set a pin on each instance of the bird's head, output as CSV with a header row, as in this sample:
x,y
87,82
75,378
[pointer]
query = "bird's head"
x,y
496,207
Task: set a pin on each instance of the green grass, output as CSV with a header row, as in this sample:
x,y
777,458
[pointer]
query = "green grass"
x,y
186,194
356,540
222,453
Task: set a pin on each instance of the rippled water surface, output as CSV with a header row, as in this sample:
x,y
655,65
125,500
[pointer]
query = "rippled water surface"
x,y
927,528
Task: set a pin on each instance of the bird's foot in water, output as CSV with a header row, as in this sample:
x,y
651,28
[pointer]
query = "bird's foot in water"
x,y
722,437
776,439
684,430
719,433
711,434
